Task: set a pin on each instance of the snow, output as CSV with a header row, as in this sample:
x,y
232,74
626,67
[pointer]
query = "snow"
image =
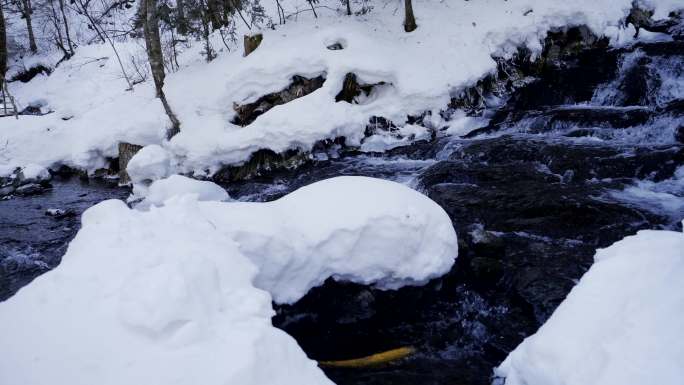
x,y
451,49
178,186
621,324
35,172
181,293
150,163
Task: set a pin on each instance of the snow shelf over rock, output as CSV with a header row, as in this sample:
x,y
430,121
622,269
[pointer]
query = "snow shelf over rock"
x,y
181,293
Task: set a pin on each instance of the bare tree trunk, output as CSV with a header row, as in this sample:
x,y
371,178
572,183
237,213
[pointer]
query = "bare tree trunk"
x,y
409,18
27,11
55,23
3,44
281,12
83,9
204,19
3,67
349,8
154,54
312,7
182,23
66,28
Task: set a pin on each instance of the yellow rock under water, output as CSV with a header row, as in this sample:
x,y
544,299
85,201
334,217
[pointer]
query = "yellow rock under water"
x,y
372,360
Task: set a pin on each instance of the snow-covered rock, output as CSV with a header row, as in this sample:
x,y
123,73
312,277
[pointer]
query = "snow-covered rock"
x,y
181,294
149,164
621,324
33,173
180,186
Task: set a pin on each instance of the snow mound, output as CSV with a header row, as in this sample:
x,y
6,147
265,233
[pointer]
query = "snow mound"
x,y
621,324
34,172
150,163
180,186
181,294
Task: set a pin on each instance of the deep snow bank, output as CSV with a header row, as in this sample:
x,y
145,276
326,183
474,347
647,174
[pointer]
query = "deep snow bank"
x,y
181,293
621,324
451,49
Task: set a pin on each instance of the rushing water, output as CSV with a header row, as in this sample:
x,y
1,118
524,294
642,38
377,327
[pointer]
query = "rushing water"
x,y
569,163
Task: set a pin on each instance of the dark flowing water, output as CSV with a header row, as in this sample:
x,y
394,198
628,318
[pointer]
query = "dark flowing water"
x,y
573,161
33,242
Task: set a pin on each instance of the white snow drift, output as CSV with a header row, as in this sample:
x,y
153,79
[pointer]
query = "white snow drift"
x,y
181,293
452,48
621,324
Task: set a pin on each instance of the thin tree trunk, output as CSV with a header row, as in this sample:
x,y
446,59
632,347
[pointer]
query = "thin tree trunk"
x,y
204,18
66,28
29,25
3,45
409,19
58,29
182,23
155,56
105,38
312,8
3,60
349,8
281,12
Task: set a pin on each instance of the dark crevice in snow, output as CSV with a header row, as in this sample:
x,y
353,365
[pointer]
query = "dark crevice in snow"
x,y
28,74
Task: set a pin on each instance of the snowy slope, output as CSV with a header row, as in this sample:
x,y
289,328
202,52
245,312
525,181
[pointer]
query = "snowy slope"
x,y
181,293
451,49
621,324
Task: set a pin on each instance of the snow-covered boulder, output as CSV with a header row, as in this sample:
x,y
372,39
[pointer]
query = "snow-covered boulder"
x,y
181,186
150,163
34,173
621,324
181,294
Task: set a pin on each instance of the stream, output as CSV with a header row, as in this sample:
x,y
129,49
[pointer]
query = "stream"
x,y
588,152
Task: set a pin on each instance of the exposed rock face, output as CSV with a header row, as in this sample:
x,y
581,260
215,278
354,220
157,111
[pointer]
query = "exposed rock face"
x,y
126,152
300,86
261,162
352,89
252,42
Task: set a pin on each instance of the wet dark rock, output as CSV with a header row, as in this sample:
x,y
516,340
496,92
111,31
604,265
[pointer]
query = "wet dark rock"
x,y
352,89
335,46
679,134
378,124
588,162
29,189
262,161
299,86
6,190
60,213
